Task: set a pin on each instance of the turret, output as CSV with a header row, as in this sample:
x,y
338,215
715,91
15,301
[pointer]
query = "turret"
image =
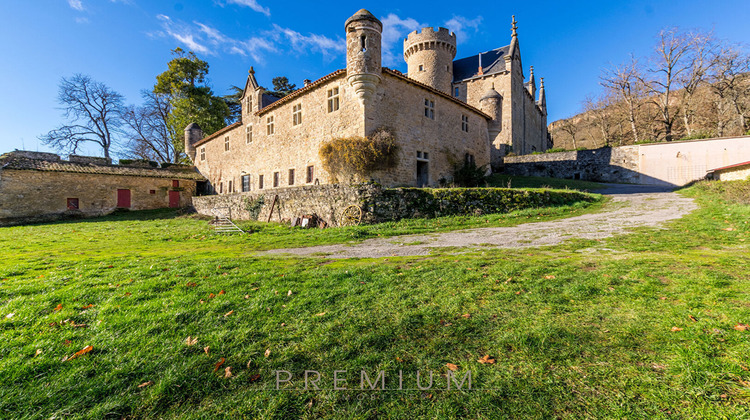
x,y
193,134
491,104
363,53
542,98
532,84
429,56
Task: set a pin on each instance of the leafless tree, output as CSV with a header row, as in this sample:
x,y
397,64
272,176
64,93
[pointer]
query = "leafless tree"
x,y
670,64
730,84
571,128
700,59
94,112
602,116
147,129
625,82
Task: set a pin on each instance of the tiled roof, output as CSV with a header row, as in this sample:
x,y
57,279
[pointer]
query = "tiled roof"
x,y
492,62
403,77
16,162
299,92
736,165
217,134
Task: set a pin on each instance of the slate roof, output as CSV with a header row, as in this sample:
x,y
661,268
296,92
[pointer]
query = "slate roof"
x,y
492,62
19,162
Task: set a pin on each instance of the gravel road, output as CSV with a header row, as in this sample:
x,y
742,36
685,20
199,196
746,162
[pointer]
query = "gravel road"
x,y
631,206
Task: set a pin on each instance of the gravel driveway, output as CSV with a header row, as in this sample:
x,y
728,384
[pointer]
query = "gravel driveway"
x,y
631,206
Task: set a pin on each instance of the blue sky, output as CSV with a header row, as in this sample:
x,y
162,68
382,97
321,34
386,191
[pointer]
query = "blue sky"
x,y
126,43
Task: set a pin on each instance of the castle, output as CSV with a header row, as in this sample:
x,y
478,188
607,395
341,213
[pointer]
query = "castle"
x,y
443,112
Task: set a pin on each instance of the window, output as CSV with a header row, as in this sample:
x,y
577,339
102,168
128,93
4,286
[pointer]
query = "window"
x,y
73,204
465,123
260,182
423,155
426,155
310,174
421,67
429,109
226,143
291,177
275,179
231,187
297,114
419,155
469,159
269,125
203,153
249,134
363,43
448,69
333,99
175,183
152,192
245,183
248,104
221,188
455,92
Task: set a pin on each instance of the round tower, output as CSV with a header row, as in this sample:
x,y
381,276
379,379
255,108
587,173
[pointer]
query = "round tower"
x,y
429,56
363,53
492,105
193,134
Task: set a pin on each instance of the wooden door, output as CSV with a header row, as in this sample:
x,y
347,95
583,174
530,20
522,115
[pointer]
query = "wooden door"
x,y
123,199
174,199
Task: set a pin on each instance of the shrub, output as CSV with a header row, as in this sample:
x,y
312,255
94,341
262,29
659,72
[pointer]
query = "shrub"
x,y
469,175
253,207
555,150
350,157
699,135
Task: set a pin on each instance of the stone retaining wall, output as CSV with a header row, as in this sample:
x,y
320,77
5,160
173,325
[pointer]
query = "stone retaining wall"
x,y
616,164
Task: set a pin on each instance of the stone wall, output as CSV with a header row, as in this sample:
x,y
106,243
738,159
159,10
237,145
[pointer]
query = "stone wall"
x,y
617,164
378,204
28,196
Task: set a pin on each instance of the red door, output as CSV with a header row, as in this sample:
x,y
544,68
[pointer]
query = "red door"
x,y
123,199
174,199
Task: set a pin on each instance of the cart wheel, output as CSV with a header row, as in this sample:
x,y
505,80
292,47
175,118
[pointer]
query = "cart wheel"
x,y
351,216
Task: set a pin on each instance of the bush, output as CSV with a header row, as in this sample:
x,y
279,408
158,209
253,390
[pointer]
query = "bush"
x,y
253,207
469,175
555,150
699,135
350,157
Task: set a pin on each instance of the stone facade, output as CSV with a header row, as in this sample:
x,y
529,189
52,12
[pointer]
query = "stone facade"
x,y
738,172
276,144
668,164
38,187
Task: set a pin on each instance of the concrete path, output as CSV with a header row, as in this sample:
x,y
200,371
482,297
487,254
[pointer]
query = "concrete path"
x,y
631,206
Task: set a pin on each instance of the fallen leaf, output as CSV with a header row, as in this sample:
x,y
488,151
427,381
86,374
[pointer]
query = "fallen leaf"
x,y
550,277
218,364
145,384
692,318
283,324
90,305
741,327
289,293
67,343
267,353
191,341
320,314
675,329
206,349
38,352
662,298
229,313
128,293
729,229
451,366
58,307
191,284
247,296
486,360
228,372
466,315
10,315
222,292
398,359
74,325
81,352
211,295
255,377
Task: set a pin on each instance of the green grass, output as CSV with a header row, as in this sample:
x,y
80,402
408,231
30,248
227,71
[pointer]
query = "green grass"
x,y
501,180
579,330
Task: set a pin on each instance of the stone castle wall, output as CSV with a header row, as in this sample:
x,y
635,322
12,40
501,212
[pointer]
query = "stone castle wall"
x,y
28,196
617,164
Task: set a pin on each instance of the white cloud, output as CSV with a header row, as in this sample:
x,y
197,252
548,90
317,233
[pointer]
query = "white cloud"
x,y
82,20
461,25
253,4
184,34
76,4
303,43
395,30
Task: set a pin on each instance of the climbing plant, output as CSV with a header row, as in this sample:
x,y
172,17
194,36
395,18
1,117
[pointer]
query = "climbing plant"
x,y
349,158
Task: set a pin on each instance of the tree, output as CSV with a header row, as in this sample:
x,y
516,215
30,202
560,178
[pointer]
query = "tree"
x,y
94,112
570,127
625,82
599,109
699,63
148,129
189,98
234,103
281,87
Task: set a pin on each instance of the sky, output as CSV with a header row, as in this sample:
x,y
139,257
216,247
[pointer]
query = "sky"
x,y
126,43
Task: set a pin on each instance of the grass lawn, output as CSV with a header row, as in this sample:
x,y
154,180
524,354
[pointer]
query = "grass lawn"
x,y
647,325
512,181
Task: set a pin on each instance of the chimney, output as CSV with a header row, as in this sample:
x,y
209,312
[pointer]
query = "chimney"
x,y
307,82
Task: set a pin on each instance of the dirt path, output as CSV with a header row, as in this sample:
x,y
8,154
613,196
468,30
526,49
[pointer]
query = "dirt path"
x,y
631,206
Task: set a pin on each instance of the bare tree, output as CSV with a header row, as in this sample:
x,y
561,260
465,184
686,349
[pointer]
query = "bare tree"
x,y
94,112
700,59
731,85
148,131
670,64
571,128
600,111
625,82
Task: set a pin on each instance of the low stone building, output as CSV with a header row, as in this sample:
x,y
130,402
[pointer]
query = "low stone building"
x,y
736,172
38,186
442,113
